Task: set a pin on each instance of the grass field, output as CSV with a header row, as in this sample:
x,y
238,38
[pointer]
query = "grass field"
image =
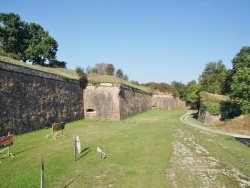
x,y
139,152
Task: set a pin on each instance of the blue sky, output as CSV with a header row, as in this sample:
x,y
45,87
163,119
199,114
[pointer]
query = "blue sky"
x,y
150,40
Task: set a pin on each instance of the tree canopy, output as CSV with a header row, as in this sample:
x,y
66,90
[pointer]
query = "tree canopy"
x,y
213,77
110,69
27,41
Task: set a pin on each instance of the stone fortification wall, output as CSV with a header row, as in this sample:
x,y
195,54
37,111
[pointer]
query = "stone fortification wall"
x,y
101,102
108,102
207,118
164,102
31,99
133,101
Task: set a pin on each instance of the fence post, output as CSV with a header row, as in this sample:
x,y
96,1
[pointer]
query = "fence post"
x,y
42,172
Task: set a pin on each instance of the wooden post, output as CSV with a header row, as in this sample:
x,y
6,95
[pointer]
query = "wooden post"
x,y
42,172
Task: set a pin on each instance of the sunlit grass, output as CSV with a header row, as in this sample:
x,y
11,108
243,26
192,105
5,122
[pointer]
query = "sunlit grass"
x,y
138,151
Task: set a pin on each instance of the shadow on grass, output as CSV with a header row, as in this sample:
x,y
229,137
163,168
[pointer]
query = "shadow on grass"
x,y
85,152
194,115
72,181
17,153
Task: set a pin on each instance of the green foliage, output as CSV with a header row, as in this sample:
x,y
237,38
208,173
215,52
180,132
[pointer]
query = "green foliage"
x,y
245,106
110,69
213,103
161,87
191,92
125,77
213,108
28,42
213,78
180,87
240,87
79,70
135,82
119,73
242,59
13,34
230,109
83,79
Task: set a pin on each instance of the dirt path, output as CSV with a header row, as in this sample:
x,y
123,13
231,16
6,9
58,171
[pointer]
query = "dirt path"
x,y
194,166
184,120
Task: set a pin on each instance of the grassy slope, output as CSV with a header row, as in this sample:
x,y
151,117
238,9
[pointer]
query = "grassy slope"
x,y
138,151
72,74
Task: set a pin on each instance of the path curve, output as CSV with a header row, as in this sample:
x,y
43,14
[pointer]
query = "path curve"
x,y
184,120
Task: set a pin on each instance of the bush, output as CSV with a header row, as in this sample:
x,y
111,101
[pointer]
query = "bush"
x,y
80,71
213,108
230,109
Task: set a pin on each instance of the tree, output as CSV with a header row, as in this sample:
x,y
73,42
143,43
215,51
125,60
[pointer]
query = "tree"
x,y
13,34
119,73
101,67
125,77
27,42
213,78
110,69
191,92
42,48
180,87
242,59
240,87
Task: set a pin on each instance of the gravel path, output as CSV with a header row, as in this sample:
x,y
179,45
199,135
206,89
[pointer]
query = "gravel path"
x,y
192,165
184,120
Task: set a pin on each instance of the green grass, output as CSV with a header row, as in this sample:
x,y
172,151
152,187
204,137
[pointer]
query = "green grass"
x,y
225,148
138,152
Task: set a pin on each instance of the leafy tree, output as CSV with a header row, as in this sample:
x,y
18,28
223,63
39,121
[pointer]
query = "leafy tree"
x,y
110,69
191,92
242,59
125,77
27,42
180,87
42,47
240,87
57,64
213,78
226,89
119,73
13,34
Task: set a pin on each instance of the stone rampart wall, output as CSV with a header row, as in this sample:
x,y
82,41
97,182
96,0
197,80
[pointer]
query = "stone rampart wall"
x,y
101,102
164,102
133,101
207,118
31,99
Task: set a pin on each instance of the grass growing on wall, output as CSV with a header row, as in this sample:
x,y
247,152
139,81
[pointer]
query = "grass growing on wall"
x,y
212,102
71,74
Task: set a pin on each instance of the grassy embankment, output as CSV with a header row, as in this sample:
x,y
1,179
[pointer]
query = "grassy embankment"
x,y
71,74
138,153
